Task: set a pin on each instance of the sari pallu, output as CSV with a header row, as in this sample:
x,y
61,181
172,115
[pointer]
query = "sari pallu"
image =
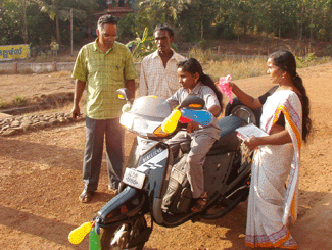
x,y
271,206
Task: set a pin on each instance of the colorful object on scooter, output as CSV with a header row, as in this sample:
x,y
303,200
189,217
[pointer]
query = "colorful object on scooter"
x,y
184,119
94,240
171,122
203,117
223,85
76,236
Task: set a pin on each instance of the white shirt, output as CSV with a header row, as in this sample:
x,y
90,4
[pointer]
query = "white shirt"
x,y
157,80
210,98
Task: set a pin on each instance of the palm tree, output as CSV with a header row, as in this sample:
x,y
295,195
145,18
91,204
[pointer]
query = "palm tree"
x,y
60,10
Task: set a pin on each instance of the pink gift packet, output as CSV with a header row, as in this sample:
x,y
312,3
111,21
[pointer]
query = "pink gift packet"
x,y
223,85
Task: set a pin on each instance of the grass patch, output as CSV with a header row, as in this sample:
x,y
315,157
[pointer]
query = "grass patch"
x,y
20,101
238,68
242,67
3,103
311,60
59,74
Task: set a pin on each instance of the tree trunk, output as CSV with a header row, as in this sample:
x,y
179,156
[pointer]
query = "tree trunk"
x,y
201,29
301,22
57,29
25,23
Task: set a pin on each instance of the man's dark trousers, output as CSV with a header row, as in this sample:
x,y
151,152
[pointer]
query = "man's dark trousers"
x,y
96,131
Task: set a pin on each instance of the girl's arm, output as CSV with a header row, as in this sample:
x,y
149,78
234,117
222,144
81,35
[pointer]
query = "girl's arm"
x,y
215,110
246,99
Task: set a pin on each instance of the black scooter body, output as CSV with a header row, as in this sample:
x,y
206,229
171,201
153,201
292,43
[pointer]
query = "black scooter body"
x,y
221,176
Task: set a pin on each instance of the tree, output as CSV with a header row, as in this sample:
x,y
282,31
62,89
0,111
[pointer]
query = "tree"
x,y
10,22
60,10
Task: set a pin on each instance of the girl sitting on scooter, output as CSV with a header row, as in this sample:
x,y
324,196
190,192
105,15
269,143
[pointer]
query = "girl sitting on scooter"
x,y
194,82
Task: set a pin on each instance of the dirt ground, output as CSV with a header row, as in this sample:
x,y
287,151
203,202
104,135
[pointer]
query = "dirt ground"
x,y
41,179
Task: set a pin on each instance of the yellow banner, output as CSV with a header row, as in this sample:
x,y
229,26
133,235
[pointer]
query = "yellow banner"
x,y
14,51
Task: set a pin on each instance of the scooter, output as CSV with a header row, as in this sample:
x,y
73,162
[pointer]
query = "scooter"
x,y
155,182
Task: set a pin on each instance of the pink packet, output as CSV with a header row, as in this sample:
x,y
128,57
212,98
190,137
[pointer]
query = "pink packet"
x,y
224,87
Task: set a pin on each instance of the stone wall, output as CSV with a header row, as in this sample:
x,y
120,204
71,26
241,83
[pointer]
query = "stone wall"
x,y
25,67
14,125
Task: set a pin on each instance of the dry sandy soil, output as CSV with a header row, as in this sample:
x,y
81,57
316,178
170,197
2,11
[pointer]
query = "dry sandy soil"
x,y
40,180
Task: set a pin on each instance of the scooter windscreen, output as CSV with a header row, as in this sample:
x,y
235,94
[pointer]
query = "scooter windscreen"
x,y
146,114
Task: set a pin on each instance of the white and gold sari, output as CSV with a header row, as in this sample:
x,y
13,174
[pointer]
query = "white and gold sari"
x,y
271,206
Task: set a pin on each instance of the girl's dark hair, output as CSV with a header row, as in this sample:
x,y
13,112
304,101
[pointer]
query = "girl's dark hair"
x,y
192,66
286,61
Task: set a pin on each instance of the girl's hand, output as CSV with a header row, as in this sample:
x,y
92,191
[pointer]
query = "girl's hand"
x,y
192,126
252,143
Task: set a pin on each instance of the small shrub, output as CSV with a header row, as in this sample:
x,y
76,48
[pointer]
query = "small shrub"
x,y
202,44
19,101
310,60
3,103
142,46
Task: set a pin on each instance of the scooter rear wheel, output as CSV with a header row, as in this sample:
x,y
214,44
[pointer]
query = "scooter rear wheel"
x,y
108,233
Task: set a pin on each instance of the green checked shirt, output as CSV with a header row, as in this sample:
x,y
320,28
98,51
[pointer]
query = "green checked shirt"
x,y
104,73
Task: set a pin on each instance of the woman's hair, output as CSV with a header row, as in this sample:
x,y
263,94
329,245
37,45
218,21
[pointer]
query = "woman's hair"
x,y
286,61
192,66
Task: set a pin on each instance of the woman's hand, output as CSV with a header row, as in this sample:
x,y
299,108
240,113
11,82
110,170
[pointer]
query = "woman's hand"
x,y
279,138
230,85
252,143
192,127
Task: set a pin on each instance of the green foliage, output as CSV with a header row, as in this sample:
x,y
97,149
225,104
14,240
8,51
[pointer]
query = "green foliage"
x,y
3,103
202,44
10,19
306,60
126,27
19,101
310,60
142,46
36,21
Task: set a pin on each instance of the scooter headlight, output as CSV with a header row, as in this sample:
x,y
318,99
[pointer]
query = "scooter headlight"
x,y
139,124
133,122
127,120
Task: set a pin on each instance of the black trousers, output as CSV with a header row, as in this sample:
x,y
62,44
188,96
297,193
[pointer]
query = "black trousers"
x,y
113,133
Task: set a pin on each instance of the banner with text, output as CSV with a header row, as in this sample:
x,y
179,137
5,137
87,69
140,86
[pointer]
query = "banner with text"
x,y
8,52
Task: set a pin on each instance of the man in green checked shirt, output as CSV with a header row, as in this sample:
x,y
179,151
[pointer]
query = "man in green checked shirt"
x,y
101,68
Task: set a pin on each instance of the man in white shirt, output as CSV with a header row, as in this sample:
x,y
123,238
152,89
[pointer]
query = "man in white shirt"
x,y
158,75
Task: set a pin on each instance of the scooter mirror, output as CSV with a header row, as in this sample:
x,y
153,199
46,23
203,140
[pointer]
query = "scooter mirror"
x,y
124,94
192,102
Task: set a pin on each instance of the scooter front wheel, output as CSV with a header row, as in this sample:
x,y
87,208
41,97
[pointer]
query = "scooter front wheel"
x,y
124,236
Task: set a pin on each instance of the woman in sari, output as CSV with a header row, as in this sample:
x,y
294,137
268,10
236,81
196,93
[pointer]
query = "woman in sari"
x,y
272,205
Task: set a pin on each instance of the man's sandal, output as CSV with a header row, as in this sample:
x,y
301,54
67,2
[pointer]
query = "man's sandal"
x,y
200,204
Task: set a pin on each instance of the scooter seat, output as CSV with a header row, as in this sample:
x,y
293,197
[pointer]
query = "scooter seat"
x,y
228,141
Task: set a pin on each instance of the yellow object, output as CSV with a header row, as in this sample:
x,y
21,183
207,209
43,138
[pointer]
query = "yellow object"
x,y
8,52
171,122
158,132
76,236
